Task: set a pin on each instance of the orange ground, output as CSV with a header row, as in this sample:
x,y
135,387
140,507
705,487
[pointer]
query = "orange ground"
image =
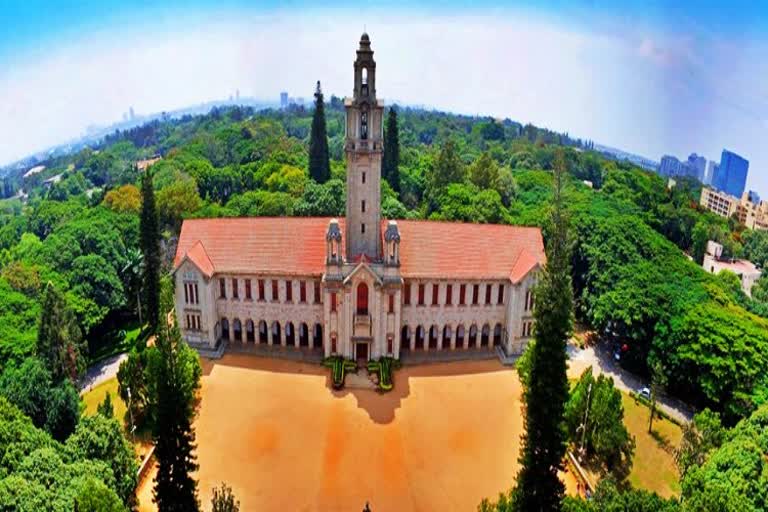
x,y
447,436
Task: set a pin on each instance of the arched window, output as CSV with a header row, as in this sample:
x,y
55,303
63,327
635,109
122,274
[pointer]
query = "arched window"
x,y
362,299
365,76
263,332
303,335
364,125
275,333
290,334
473,335
317,339
433,336
460,336
419,337
447,335
485,334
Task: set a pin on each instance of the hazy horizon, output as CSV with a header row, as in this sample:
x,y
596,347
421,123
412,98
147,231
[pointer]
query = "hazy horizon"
x,y
645,78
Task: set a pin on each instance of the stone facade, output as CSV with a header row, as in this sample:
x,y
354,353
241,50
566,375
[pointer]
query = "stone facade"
x,y
362,302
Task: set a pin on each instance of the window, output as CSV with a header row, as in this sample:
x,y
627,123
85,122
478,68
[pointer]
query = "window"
x,y
391,302
362,299
362,205
389,344
275,296
421,294
462,294
364,125
302,291
190,293
363,177
318,299
193,322
500,298
333,301
333,343
261,289
448,294
248,295
487,294
289,291
362,228
235,293
527,329
407,294
222,289
435,290
475,293
528,300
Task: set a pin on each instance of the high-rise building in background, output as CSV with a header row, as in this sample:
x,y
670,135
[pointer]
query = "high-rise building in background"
x,y
283,100
696,166
670,166
753,197
731,176
709,174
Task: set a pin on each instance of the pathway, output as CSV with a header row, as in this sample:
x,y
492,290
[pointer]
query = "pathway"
x,y
101,372
601,360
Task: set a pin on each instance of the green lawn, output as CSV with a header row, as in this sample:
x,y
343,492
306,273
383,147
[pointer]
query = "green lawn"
x,y
654,464
96,395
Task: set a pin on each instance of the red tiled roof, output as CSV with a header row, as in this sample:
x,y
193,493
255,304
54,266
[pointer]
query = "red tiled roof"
x,y
296,246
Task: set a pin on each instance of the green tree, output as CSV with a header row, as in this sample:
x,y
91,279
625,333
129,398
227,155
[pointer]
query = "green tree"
x,y
175,489
131,274
448,168
319,163
484,171
609,497
390,165
59,341
149,241
594,417
700,436
94,496
105,408
544,442
658,383
223,500
176,201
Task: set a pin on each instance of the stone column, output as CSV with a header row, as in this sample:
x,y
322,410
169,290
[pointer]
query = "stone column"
x,y
412,338
440,333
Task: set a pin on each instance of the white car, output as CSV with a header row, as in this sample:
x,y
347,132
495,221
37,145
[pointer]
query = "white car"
x,y
645,393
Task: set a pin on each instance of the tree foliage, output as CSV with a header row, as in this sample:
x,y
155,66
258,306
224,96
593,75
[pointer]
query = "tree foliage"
x,y
150,248
319,164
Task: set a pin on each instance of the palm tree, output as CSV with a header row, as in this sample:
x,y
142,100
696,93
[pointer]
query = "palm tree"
x,y
131,275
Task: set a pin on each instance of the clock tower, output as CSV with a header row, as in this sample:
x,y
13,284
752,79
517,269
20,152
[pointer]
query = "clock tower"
x,y
363,147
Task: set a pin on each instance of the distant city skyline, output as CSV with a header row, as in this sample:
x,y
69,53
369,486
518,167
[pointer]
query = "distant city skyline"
x,y
646,78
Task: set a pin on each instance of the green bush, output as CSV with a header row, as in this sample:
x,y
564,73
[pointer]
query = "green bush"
x,y
384,367
339,368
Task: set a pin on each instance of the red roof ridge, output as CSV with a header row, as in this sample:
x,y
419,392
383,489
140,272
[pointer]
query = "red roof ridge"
x,y
199,256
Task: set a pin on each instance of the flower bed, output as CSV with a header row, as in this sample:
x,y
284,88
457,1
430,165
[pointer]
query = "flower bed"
x,y
339,368
384,367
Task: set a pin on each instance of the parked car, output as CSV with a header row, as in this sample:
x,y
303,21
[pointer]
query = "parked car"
x,y
645,393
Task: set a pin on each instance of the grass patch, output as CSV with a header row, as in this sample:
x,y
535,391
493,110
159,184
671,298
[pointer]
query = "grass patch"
x,y
654,464
93,397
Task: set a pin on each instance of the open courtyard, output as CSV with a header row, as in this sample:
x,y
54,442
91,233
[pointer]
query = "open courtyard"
x,y
447,436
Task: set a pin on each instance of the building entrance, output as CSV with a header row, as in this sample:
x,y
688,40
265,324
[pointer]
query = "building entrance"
x,y
362,352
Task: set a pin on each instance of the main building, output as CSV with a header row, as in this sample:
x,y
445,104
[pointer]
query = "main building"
x,y
362,287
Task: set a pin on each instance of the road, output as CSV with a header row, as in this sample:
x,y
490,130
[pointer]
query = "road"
x,y
602,362
101,372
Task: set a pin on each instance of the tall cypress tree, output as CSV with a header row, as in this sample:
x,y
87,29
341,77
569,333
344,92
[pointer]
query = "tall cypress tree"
x,y
60,344
149,240
391,159
544,443
319,163
175,489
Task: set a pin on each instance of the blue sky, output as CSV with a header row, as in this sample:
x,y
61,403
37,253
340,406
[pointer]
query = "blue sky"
x,y
649,77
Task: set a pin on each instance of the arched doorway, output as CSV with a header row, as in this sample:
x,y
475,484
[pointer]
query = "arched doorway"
x,y
472,336
250,335
420,338
225,329
362,299
237,330
317,340
263,332
433,337
276,333
485,335
447,336
460,336
497,335
303,335
405,338
290,334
